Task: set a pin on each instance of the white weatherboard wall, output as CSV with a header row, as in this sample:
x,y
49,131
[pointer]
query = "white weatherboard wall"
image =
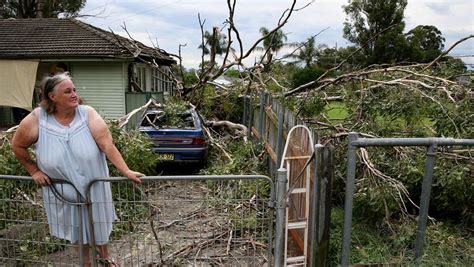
x,y
102,85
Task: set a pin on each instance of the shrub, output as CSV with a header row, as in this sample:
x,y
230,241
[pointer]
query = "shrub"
x,y
136,149
445,245
306,75
10,189
228,106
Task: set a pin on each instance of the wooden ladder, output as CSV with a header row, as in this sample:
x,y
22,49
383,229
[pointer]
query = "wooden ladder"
x,y
297,228
294,228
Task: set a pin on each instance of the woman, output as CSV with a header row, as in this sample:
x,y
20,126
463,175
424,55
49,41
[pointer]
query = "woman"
x,y
72,141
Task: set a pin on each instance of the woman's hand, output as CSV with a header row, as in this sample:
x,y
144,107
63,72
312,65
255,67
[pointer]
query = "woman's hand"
x,y
134,176
41,179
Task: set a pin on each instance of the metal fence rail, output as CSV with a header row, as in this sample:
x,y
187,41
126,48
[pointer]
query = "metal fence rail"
x,y
197,220
24,234
431,145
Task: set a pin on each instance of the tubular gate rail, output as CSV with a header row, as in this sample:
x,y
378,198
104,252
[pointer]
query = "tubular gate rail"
x,y
431,144
166,220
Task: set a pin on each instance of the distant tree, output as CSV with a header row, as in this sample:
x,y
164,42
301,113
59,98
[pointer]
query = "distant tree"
x,y
453,66
328,57
426,43
377,26
391,47
234,73
186,76
22,9
306,75
217,41
190,77
273,43
307,52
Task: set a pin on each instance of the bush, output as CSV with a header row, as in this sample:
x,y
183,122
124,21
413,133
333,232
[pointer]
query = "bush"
x,y
446,244
10,189
244,161
228,106
9,165
136,149
247,158
306,75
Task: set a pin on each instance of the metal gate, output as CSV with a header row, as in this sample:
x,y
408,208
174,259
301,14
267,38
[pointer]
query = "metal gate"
x,y
431,145
167,220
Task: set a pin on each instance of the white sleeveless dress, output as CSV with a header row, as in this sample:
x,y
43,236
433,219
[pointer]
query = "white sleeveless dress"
x,y
71,153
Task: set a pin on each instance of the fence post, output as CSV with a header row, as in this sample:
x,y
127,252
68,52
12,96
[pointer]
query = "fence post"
x,y
348,203
425,200
244,116
81,235
91,229
279,147
321,206
280,216
250,122
261,113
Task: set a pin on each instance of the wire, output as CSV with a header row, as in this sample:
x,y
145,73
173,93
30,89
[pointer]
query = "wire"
x,y
100,6
140,13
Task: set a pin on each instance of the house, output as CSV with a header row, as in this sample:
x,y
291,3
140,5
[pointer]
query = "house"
x,y
107,69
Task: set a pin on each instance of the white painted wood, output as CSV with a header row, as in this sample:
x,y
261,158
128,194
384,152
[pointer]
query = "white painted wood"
x,y
296,259
297,225
298,190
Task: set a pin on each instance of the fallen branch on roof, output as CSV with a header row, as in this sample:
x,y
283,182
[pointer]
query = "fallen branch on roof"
x,y
125,119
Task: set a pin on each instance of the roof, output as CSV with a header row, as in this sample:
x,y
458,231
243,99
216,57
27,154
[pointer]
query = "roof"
x,y
68,38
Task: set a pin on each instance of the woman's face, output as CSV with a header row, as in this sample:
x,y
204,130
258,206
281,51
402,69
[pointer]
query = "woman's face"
x,y
64,95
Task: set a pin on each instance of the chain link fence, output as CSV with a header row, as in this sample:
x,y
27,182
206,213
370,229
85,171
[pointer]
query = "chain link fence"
x,y
166,220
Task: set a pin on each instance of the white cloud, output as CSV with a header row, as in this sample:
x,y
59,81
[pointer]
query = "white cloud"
x,y
174,22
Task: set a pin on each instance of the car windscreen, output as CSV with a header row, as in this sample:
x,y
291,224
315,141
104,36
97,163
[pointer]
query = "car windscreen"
x,y
162,120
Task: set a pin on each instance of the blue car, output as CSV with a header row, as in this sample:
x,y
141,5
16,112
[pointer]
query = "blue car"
x,y
182,142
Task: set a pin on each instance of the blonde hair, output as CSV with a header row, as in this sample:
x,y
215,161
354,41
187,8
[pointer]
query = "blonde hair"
x,y
48,85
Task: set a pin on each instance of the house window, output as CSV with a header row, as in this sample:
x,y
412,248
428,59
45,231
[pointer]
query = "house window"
x,y
56,68
141,77
151,79
161,81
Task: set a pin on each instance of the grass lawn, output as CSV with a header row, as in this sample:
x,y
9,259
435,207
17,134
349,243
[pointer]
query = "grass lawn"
x,y
336,111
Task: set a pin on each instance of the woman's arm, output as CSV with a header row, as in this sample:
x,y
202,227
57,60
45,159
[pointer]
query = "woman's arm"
x,y
103,138
25,136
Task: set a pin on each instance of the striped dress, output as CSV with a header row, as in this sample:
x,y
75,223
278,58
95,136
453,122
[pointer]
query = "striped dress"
x,y
71,153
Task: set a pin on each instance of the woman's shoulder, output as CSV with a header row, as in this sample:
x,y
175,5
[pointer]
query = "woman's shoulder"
x,y
31,121
36,111
89,112
85,109
35,114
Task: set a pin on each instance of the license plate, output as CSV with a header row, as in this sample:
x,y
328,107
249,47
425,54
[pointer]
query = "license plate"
x,y
165,156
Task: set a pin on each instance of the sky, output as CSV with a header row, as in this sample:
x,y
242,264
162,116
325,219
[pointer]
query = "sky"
x,y
168,23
